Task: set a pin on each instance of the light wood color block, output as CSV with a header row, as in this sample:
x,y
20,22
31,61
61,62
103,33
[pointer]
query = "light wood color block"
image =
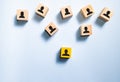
x,y
51,29
106,14
42,10
22,15
66,52
86,30
87,11
66,12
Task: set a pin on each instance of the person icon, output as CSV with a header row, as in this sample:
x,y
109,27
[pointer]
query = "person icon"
x,y
107,14
66,53
67,11
22,15
86,30
51,29
88,11
41,9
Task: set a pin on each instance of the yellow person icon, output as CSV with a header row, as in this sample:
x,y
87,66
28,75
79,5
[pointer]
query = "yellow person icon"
x,y
66,52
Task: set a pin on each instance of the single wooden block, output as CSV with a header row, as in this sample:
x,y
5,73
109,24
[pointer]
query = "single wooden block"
x,y
65,52
86,30
41,10
51,29
106,14
66,12
22,15
87,11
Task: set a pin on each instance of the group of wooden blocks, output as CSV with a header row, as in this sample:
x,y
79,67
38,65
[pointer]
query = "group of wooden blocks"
x,y
66,12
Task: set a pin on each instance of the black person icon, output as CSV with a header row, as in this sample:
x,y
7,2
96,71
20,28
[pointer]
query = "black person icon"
x,y
88,11
41,9
52,29
107,14
22,15
86,30
66,53
67,11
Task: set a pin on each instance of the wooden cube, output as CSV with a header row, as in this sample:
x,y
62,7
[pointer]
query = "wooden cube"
x,y
51,29
22,15
87,11
65,52
66,12
106,14
86,30
41,10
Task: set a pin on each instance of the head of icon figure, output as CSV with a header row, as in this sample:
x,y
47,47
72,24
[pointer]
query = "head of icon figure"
x,y
66,51
50,27
67,11
85,28
42,8
108,12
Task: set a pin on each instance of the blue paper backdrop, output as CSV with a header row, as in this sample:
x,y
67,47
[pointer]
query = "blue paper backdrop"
x,y
27,54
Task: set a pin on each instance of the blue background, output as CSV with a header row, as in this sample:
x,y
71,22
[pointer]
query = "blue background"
x,y
27,54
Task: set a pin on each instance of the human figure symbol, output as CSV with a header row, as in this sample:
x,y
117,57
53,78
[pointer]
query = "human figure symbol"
x,y
67,11
51,29
66,53
107,14
86,30
88,11
41,9
22,15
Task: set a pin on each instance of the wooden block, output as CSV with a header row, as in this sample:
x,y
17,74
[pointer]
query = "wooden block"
x,y
51,29
66,12
86,30
87,11
22,15
65,52
41,10
106,14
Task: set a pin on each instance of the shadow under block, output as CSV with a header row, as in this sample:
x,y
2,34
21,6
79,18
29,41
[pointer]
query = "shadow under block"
x,y
66,12
41,10
106,14
51,29
22,15
66,52
86,30
87,11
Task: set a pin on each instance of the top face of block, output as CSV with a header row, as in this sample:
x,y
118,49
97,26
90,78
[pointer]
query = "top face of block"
x,y
66,12
106,14
86,30
66,52
87,11
41,10
22,15
51,29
